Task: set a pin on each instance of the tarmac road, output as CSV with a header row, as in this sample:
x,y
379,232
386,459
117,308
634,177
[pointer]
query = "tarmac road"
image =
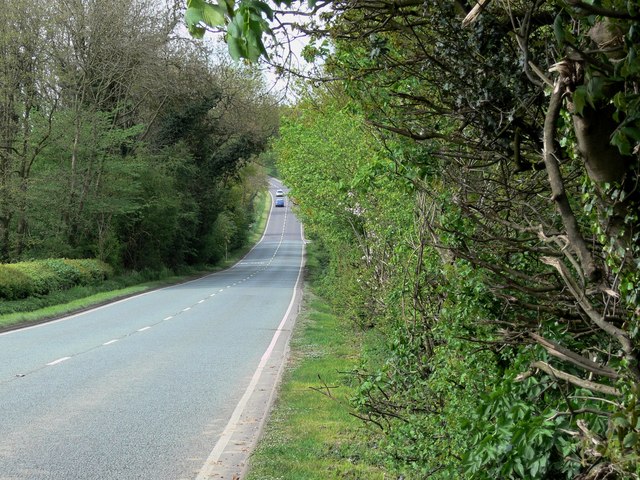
x,y
171,384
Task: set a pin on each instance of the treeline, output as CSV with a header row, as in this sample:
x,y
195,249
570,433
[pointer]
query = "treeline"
x,y
472,174
122,140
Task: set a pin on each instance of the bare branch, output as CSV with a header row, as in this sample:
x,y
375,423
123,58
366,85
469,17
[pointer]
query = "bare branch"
x,y
475,12
556,182
595,10
578,412
620,335
580,382
563,353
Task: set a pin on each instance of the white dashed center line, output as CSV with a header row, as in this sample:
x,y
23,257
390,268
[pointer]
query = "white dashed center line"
x,y
60,360
264,265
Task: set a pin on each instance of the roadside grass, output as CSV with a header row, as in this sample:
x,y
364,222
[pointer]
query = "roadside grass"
x,y
27,311
53,310
310,434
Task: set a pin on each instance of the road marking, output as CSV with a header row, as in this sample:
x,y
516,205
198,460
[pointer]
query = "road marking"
x,y
221,290
201,301
143,329
212,295
186,309
110,342
218,449
167,318
60,360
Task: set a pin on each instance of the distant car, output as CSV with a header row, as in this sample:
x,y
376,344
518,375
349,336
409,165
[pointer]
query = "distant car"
x,y
279,202
279,193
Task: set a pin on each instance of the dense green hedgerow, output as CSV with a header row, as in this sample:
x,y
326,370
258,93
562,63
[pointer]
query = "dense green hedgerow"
x,y
40,277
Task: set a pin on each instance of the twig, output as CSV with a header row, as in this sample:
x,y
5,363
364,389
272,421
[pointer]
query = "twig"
x,y
594,9
620,335
577,412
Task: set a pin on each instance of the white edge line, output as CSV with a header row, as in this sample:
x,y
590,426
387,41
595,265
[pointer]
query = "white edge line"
x,y
143,329
60,360
109,342
218,449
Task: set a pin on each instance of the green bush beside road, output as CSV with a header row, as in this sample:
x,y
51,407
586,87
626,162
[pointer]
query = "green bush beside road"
x,y
93,288
41,277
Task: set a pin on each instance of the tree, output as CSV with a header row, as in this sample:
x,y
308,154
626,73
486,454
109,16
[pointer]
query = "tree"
x,y
102,153
27,99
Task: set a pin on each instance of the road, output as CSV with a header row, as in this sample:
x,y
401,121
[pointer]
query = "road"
x,y
157,386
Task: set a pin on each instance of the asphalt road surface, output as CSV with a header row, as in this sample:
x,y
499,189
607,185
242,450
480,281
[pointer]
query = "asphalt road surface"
x,y
171,384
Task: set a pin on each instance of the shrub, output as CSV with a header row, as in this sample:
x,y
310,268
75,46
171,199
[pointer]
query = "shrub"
x,y
14,284
67,273
41,277
91,270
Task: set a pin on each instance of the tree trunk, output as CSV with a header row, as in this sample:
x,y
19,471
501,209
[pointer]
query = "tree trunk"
x,y
603,161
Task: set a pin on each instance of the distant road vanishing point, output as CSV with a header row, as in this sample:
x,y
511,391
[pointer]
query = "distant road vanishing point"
x,y
170,384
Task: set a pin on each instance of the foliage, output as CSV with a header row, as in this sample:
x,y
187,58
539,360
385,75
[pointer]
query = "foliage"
x,y
518,440
120,141
244,23
415,382
411,259
23,279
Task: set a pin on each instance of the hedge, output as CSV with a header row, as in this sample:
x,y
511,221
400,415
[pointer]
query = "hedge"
x,y
40,277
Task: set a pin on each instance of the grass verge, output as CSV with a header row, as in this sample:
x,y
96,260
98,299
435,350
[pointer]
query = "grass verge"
x,y
310,434
14,314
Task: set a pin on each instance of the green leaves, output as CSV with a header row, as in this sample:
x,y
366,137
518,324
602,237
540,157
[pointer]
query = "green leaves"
x,y
558,29
246,29
579,99
200,15
213,14
519,439
630,440
245,24
264,8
